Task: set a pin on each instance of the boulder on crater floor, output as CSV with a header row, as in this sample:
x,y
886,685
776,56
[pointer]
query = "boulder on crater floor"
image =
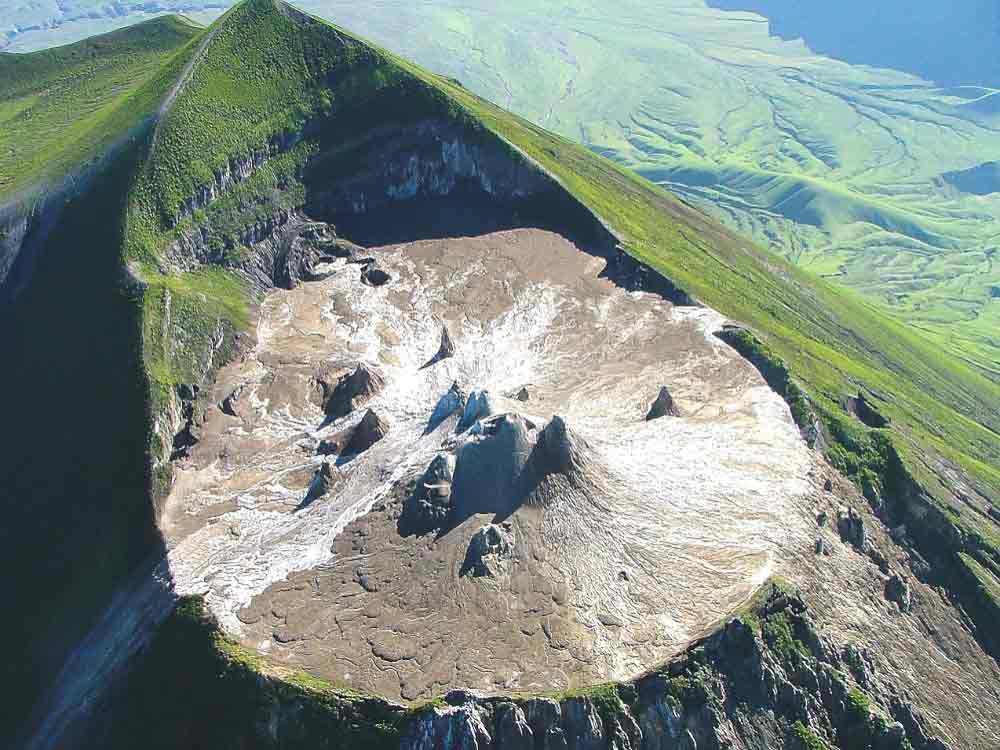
x,y
491,548
663,406
369,431
327,244
372,275
429,506
325,479
296,260
353,390
230,404
446,348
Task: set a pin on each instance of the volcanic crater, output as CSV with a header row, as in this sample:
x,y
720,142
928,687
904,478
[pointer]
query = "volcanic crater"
x,y
556,481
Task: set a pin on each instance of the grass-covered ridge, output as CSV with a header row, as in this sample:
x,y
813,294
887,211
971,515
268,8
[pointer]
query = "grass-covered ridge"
x,y
842,168
269,71
62,107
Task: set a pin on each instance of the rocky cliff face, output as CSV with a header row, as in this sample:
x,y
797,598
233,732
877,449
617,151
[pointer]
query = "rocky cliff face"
x,y
428,161
235,171
13,229
431,159
767,680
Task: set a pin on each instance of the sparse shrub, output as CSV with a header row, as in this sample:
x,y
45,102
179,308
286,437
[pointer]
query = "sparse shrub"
x,y
858,706
808,739
780,636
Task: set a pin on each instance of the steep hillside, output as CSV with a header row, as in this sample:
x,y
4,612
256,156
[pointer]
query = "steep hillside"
x,y
836,166
230,144
77,517
857,191
65,106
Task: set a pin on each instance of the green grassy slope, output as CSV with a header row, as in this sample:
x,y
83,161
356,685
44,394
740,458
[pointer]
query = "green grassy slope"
x,y
837,166
265,70
62,107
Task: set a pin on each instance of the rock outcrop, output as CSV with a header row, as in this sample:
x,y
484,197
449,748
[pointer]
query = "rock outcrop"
x,y
191,414
479,405
445,350
766,680
897,590
280,250
851,527
429,506
353,390
369,431
454,400
559,450
230,404
491,472
490,550
663,406
324,480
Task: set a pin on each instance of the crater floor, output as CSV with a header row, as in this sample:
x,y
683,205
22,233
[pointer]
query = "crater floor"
x,y
659,529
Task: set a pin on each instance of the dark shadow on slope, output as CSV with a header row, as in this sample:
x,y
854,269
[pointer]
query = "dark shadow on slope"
x,y
77,516
466,212
435,180
864,411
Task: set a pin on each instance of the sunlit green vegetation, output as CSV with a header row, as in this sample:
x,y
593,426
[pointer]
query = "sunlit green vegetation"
x,y
62,107
266,71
